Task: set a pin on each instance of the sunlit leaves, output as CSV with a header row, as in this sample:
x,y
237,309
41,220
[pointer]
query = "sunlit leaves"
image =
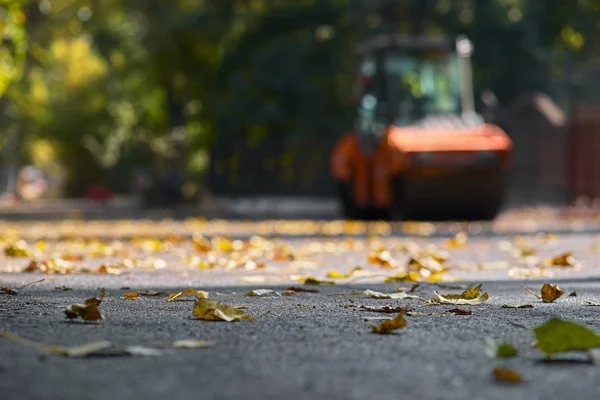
x,y
558,336
389,325
211,310
191,344
88,311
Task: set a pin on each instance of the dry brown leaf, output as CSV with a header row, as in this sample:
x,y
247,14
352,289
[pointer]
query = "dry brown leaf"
x,y
176,296
382,309
517,306
563,260
211,310
301,290
382,258
549,293
63,287
458,311
88,311
7,290
504,374
130,295
311,280
390,325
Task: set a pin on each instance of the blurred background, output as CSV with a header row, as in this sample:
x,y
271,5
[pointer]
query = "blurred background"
x,y
161,104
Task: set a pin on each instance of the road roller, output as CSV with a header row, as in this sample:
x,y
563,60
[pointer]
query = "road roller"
x,y
418,148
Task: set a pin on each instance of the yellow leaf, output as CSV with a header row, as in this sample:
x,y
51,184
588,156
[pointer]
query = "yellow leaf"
x,y
468,297
88,311
19,249
563,260
338,275
459,241
507,375
390,325
402,277
382,258
130,295
175,296
108,269
211,310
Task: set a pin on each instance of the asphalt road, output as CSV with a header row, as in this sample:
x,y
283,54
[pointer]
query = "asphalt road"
x,y
310,345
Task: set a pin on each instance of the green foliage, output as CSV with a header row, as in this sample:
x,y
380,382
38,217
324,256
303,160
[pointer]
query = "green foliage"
x,y
115,83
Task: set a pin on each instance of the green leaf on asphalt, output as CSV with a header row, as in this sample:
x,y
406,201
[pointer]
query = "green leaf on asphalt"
x,y
396,295
211,310
497,349
558,336
468,297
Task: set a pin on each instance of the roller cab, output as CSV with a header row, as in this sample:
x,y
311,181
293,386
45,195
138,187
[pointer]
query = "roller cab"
x,y
418,148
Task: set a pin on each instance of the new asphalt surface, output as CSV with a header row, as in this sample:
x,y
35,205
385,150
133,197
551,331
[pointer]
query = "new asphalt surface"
x,y
306,346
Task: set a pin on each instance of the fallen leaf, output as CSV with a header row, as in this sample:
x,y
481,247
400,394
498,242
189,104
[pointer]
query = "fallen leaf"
x,y
496,349
383,309
591,302
458,311
152,293
390,325
468,297
63,287
17,250
7,290
396,295
75,351
191,344
108,269
313,281
557,336
130,295
255,292
507,375
175,296
301,290
88,311
211,310
573,294
563,260
333,274
459,241
382,258
549,293
402,277
517,306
